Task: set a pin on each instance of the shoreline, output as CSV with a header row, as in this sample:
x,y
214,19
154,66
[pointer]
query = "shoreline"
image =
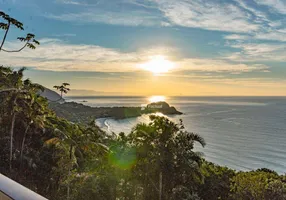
x,y
78,112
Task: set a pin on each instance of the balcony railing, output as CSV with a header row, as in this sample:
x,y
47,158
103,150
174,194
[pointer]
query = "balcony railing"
x,y
11,190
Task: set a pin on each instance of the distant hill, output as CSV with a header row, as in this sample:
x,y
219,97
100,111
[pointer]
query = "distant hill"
x,y
51,95
76,112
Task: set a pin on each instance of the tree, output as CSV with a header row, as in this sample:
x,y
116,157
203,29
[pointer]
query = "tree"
x,y
29,39
35,110
256,185
14,80
216,183
74,141
164,148
63,88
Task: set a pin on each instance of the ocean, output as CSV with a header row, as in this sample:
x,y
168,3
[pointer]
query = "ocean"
x,y
243,133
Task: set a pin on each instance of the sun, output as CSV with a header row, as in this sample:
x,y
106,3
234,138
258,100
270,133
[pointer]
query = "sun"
x,y
158,65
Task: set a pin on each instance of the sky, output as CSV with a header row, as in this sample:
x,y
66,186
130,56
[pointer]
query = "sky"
x,y
107,47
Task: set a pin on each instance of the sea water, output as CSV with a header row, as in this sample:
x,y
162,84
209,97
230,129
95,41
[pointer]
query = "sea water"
x,y
243,133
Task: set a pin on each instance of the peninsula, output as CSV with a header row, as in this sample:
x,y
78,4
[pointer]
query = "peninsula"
x,y
76,112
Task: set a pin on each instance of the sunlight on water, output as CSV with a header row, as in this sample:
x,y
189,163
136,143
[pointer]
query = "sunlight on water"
x,y
243,133
155,99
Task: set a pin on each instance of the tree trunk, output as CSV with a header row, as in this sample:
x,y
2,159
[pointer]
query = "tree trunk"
x,y
15,51
160,186
9,90
5,36
68,189
11,140
23,143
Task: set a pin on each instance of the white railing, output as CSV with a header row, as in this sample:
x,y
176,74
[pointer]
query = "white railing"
x,y
11,190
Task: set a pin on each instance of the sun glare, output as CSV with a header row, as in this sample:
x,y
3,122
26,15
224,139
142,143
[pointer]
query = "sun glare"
x,y
158,65
155,99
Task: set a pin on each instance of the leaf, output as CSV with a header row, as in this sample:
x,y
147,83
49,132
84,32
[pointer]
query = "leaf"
x,y
36,42
21,39
53,141
30,35
16,23
31,46
6,17
2,14
3,26
66,84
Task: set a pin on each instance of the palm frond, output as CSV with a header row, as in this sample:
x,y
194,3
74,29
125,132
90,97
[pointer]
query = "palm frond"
x,y
52,141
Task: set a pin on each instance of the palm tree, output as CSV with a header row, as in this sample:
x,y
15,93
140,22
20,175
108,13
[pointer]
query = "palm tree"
x,y
35,110
72,139
63,88
14,80
29,40
164,147
23,99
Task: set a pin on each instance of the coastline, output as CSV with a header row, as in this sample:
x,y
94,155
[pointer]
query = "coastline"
x,y
77,112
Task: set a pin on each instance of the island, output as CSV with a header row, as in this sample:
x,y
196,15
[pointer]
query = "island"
x,y
79,113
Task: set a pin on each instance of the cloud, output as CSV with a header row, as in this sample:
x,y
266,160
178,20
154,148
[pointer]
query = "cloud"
x,y
217,65
203,14
207,15
65,35
258,52
69,2
131,18
236,37
113,13
235,16
276,83
79,3
56,55
259,16
276,5
275,35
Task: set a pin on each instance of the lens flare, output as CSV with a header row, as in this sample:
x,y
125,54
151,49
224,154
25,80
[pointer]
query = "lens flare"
x,y
122,157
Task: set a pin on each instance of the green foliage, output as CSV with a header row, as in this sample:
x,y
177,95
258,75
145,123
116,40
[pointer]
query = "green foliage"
x,y
183,193
217,182
42,146
63,88
10,20
29,40
64,160
163,147
260,184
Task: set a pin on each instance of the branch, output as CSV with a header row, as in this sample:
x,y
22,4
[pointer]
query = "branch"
x,y
12,89
4,38
14,51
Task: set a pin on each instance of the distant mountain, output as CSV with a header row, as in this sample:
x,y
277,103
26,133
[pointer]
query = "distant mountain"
x,y
51,95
